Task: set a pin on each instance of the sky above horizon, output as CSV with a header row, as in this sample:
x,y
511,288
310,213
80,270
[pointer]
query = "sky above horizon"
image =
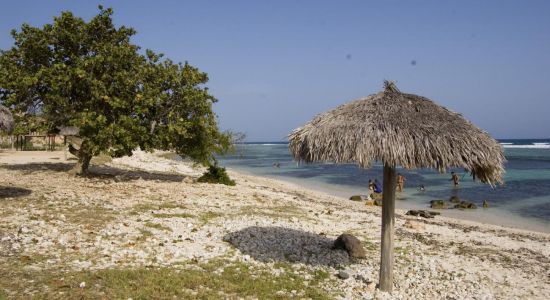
x,y
274,65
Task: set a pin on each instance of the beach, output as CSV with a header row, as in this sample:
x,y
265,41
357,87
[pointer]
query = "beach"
x,y
139,218
522,201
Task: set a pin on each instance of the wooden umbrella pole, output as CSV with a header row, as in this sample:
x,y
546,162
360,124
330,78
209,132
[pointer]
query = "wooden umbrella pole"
x,y
388,221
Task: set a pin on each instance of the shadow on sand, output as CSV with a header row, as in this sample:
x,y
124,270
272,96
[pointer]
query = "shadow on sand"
x,y
97,172
269,244
13,192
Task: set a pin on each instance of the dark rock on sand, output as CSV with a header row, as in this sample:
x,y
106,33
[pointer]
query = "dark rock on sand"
x,y
351,244
422,213
358,198
343,275
438,204
466,205
376,196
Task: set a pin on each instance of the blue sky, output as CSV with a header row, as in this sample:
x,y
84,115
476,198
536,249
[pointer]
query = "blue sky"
x,y
275,64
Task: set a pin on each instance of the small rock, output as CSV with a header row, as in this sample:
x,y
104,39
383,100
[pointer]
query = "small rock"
x,y
438,204
351,244
466,205
362,278
358,198
246,257
422,213
343,275
82,285
485,203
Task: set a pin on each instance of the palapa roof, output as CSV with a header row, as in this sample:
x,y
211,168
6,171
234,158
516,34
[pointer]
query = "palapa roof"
x,y
6,119
68,130
399,129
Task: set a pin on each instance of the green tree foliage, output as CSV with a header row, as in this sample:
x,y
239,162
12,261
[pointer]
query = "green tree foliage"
x,y
90,75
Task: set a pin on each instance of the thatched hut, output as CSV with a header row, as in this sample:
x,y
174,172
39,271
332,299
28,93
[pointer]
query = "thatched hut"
x,y
68,130
397,129
6,119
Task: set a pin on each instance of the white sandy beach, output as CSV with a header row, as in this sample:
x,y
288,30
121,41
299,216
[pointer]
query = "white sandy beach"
x,y
146,210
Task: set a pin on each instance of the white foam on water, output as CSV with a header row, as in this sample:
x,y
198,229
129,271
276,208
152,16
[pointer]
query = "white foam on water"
x,y
534,146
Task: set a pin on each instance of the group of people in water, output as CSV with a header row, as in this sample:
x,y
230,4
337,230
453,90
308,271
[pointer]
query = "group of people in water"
x,y
376,187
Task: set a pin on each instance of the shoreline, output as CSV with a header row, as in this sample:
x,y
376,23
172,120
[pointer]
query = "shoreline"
x,y
490,216
148,213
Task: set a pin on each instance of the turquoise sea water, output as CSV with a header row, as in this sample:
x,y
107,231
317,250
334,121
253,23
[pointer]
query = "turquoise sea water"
x,y
523,201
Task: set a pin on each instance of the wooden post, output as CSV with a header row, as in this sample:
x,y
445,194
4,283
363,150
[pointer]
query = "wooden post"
x,y
388,221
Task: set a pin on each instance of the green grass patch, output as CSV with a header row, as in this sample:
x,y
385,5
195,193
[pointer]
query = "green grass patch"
x,y
200,281
180,215
208,216
147,207
145,234
32,258
157,226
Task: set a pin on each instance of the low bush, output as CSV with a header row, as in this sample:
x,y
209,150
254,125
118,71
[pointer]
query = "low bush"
x,y
216,174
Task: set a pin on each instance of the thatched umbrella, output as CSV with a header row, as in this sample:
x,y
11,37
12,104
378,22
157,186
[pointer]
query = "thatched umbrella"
x,y
6,119
397,129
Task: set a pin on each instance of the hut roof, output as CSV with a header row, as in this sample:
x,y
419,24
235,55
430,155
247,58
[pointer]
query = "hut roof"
x,y
399,129
68,130
6,119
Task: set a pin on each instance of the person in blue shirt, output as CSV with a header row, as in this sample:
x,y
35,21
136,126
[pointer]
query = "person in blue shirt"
x,y
377,186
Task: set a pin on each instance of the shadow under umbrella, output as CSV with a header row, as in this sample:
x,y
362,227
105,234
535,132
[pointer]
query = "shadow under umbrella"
x,y
268,244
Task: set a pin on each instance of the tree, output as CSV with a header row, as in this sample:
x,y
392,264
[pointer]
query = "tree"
x,y
90,75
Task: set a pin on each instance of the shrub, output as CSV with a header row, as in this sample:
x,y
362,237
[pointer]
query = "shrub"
x,y
216,174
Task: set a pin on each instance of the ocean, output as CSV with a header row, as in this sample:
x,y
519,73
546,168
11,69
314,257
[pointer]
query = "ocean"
x,y
523,201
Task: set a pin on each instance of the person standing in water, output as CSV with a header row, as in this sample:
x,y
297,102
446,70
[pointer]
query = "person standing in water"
x,y
454,178
371,187
400,182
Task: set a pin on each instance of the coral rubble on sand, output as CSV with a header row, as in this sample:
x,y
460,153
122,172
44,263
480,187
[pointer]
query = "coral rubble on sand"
x,y
148,212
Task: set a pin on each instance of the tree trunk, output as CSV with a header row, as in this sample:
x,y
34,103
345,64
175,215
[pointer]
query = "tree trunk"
x,y
388,221
84,158
81,167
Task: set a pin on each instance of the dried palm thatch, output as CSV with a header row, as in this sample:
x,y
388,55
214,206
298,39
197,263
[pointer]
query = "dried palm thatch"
x,y
6,119
399,129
